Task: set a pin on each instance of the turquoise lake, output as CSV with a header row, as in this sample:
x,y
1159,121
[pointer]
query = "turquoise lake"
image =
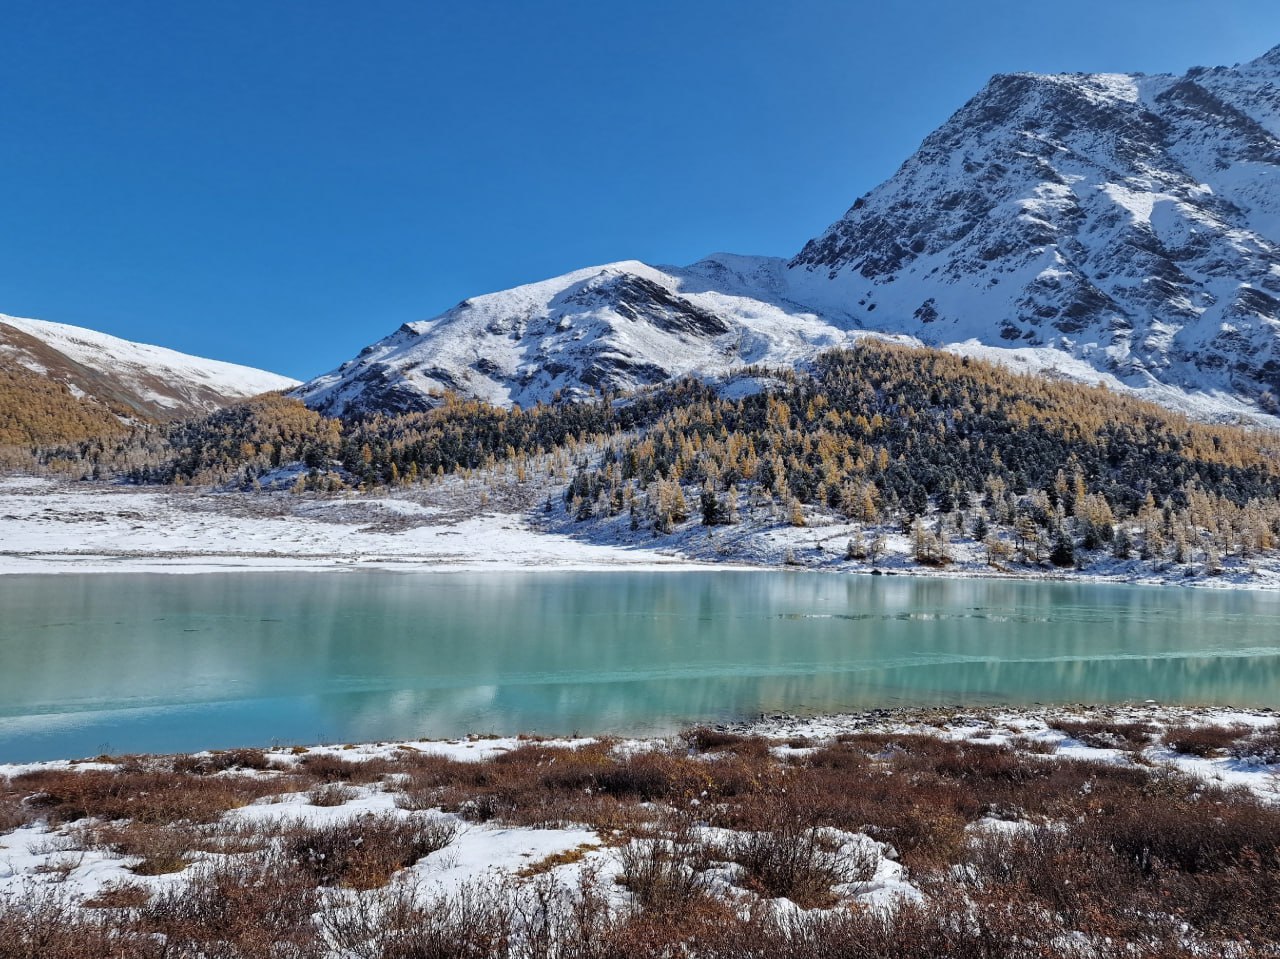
x,y
145,662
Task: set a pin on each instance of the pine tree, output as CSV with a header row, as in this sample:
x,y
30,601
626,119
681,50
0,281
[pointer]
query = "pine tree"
x,y
1064,551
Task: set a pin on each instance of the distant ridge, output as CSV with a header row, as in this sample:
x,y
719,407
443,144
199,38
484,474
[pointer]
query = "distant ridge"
x,y
62,383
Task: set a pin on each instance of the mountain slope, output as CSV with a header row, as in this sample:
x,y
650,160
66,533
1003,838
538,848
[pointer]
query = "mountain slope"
x,y
1111,228
613,327
80,376
1132,221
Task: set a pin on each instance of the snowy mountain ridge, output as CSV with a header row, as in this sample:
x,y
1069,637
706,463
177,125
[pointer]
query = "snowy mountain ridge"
x,y
617,327
1129,221
1114,227
132,378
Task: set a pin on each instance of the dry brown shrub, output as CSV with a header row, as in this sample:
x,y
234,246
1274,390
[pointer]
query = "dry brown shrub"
x,y
13,814
1261,747
704,739
161,849
150,796
334,769
40,925
1036,747
364,852
1103,734
119,895
1190,832
660,873
476,922
204,764
243,907
1203,740
330,794
796,864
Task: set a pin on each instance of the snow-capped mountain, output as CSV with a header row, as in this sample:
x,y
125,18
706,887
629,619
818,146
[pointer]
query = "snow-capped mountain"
x,y
1122,228
614,327
131,379
1130,221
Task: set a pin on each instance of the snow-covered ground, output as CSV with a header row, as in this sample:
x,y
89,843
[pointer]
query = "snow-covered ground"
x,y
1017,728
53,526
48,526
35,855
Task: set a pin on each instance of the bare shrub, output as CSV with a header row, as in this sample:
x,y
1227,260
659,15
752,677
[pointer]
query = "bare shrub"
x,y
798,863
161,849
204,764
1202,740
659,874
12,814
330,794
364,852
1102,734
40,925
1038,747
244,907
475,922
707,740
119,895
1261,747
1191,833
152,796
652,776
334,769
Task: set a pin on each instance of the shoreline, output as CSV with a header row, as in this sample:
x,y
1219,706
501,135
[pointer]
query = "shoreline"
x,y
48,527
192,563
780,727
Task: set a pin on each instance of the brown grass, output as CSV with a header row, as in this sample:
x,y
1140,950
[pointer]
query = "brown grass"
x,y
557,859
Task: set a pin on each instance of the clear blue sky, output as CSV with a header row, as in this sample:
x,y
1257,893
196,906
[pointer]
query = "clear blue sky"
x,y
280,183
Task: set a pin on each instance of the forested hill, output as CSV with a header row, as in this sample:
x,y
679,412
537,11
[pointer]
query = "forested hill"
x,y
875,430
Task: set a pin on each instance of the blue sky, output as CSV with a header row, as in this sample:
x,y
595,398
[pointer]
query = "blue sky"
x,y
280,183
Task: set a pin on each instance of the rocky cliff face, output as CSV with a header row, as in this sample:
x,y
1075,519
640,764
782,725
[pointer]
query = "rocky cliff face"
x,y
1131,221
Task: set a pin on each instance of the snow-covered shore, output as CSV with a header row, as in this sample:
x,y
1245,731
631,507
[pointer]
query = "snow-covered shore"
x,y
48,526
39,855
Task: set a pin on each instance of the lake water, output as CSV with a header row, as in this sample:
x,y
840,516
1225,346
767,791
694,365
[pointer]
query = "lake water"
x,y
137,662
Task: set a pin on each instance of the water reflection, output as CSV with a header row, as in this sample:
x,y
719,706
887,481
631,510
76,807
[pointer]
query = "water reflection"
x,y
175,662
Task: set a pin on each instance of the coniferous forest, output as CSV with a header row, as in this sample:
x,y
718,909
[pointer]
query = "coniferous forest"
x,y
943,446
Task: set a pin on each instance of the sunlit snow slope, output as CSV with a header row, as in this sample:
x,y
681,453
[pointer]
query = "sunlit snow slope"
x,y
132,379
